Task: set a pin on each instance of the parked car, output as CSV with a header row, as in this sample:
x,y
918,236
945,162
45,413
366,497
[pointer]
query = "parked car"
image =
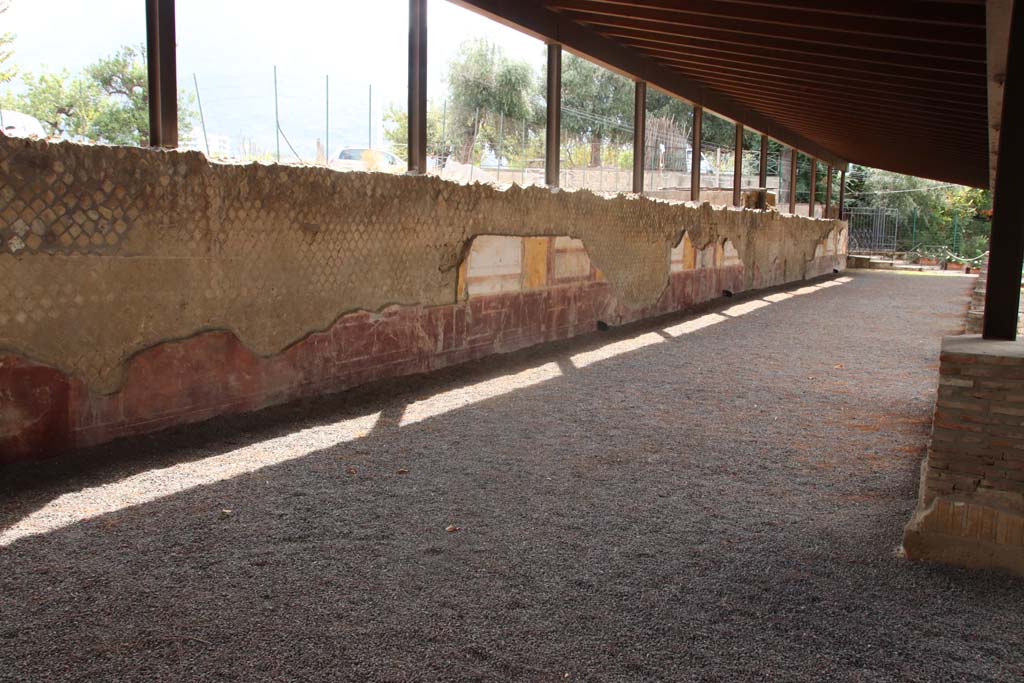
x,y
361,159
21,125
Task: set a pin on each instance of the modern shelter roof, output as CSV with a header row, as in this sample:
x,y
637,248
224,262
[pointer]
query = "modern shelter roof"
x,y
898,85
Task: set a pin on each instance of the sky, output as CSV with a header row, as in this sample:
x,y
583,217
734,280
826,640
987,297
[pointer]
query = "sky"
x,y
230,48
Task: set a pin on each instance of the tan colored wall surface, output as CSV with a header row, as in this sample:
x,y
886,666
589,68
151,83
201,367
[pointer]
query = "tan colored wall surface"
x,y
109,251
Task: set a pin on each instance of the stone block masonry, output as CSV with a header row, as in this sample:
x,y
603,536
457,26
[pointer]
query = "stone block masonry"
x,y
141,289
971,507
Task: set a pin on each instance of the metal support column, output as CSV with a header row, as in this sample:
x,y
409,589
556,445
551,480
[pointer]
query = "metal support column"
x,y
417,150
552,151
737,168
762,175
1006,244
828,193
842,192
698,118
793,154
639,135
814,186
163,76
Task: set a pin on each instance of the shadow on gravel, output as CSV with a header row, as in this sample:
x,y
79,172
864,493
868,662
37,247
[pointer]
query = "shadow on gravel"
x,y
712,497
36,484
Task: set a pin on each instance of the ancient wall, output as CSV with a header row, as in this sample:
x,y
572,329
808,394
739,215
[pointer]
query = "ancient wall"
x,y
142,288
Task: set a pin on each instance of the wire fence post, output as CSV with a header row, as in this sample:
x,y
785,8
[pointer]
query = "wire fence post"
x,y
444,128
277,119
525,147
202,119
913,230
472,144
501,134
327,119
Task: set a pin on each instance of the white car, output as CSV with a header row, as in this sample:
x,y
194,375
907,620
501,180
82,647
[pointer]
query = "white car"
x,y
21,125
362,159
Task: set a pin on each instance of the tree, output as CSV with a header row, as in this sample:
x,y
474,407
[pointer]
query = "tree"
x,y
64,104
108,102
484,87
597,105
396,129
931,214
7,71
123,79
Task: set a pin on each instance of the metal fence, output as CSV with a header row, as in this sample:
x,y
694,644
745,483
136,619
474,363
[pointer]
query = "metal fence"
x,y
873,230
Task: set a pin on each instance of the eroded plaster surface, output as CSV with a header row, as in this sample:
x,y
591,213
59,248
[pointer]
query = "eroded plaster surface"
x,y
105,252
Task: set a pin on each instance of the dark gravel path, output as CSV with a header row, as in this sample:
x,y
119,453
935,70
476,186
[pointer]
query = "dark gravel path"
x,y
722,505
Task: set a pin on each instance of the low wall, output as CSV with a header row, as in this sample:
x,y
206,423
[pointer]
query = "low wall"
x,y
971,506
143,289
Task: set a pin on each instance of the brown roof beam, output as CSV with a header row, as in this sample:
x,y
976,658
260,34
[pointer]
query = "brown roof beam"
x,y
827,70
771,14
968,52
956,118
936,63
965,13
934,101
535,20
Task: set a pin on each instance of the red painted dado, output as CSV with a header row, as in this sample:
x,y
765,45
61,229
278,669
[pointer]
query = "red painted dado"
x,y
44,412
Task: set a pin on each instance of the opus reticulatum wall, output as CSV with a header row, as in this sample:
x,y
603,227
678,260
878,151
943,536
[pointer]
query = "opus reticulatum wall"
x,y
142,288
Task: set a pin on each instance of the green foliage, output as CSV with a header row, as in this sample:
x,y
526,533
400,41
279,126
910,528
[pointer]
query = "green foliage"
x,y
124,116
931,214
485,88
107,102
396,128
66,105
7,71
597,105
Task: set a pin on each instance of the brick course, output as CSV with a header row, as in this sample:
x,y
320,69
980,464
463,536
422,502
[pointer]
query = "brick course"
x,y
971,508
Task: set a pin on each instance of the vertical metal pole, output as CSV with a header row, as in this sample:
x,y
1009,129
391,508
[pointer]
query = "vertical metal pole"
x,y
698,118
526,147
417,150
737,168
369,119
828,193
472,146
444,126
327,118
162,72
501,135
554,115
277,118
814,185
793,154
913,230
842,193
762,170
639,135
202,119
762,174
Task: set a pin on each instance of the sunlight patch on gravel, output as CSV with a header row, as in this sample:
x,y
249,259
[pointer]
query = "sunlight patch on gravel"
x,y
151,485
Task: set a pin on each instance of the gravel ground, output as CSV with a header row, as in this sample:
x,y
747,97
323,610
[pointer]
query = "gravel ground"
x,y
722,500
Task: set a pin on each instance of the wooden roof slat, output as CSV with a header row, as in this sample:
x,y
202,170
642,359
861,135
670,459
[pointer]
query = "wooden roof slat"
x,y
778,21
896,84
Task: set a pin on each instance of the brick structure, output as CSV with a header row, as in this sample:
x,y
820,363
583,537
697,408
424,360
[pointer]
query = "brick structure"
x,y
976,309
971,508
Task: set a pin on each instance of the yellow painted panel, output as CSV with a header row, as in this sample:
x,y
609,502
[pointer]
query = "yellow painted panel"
x,y
689,254
535,262
462,288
